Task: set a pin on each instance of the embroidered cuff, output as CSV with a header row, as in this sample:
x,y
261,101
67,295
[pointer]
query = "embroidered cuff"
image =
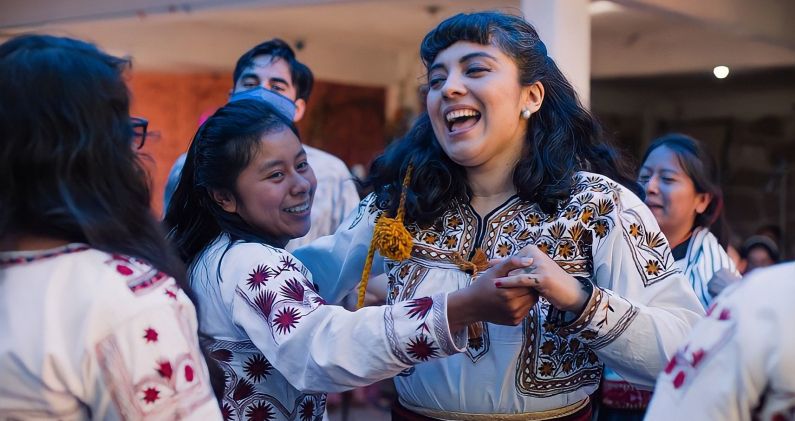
x,y
450,342
605,317
578,324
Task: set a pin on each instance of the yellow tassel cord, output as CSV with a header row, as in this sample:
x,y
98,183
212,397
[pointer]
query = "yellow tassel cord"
x,y
390,238
478,263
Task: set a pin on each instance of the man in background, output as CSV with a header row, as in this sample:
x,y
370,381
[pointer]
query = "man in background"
x,y
272,65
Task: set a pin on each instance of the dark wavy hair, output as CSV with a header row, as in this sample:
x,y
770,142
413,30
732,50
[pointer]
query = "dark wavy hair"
x,y
222,147
562,137
67,166
302,76
702,169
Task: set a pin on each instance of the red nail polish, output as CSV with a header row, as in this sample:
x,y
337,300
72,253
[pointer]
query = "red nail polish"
x,y
498,284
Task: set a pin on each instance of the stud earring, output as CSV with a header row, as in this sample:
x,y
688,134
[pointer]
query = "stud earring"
x,y
526,114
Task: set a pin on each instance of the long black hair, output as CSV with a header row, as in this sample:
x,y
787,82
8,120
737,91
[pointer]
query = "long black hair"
x,y
700,166
222,148
562,137
67,166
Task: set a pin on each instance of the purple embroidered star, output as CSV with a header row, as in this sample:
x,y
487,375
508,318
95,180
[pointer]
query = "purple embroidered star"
x,y
286,319
257,367
420,348
260,411
258,277
307,410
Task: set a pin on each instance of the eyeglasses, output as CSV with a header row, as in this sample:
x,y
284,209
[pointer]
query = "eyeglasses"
x,y
139,126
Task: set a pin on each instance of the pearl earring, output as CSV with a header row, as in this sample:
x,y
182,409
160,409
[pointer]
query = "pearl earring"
x,y
526,114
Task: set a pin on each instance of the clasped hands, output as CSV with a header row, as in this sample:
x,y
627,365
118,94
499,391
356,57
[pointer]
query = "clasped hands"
x,y
510,287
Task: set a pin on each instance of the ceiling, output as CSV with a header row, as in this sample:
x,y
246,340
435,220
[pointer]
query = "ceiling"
x,y
360,40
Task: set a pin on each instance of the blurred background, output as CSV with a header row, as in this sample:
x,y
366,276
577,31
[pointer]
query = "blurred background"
x,y
722,71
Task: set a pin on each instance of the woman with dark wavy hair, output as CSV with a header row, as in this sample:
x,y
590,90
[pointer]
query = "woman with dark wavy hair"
x,y
506,160
93,320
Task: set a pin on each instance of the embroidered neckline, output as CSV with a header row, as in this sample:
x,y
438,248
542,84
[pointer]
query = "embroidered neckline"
x,y
11,258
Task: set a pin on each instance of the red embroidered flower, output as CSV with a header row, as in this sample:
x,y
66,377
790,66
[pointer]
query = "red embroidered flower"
x,y
422,349
307,410
243,389
293,290
150,335
165,370
260,411
124,270
171,294
188,373
286,319
151,394
264,302
258,277
419,307
257,367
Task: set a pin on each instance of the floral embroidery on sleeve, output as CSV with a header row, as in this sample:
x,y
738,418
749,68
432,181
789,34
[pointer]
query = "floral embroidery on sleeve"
x,y
279,293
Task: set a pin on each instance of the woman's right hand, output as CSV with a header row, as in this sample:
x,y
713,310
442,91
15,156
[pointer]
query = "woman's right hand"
x,y
494,297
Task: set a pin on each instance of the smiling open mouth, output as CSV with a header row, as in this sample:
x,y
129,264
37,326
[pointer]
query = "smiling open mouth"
x,y
298,209
458,120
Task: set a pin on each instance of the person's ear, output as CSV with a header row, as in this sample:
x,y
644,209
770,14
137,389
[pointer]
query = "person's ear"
x,y
300,108
702,202
533,96
225,199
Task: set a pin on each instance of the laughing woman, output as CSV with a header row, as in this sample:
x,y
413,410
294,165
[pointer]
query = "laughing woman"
x,y
245,191
505,158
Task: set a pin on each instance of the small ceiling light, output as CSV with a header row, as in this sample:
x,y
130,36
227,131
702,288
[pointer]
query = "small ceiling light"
x,y
600,7
720,72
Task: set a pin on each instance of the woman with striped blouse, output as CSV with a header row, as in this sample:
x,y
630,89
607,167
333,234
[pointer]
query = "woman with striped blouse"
x,y
682,190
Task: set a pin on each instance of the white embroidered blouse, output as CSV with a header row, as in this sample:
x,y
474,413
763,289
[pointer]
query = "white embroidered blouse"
x,y
641,309
738,362
282,348
87,334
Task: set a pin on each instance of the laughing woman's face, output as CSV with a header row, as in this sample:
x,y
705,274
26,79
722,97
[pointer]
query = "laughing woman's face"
x,y
475,103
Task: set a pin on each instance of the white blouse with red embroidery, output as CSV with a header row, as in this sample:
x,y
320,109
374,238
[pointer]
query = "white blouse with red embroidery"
x,y
739,362
86,334
280,346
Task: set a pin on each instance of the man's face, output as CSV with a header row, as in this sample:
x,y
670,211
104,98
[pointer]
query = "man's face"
x,y
273,74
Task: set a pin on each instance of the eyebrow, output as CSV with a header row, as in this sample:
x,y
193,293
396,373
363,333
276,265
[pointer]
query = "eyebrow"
x,y
279,80
275,163
465,58
249,75
662,170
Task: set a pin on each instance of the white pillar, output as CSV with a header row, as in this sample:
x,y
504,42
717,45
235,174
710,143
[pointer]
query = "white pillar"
x,y
565,28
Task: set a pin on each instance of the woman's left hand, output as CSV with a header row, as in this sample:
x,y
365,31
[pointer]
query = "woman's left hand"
x,y
562,290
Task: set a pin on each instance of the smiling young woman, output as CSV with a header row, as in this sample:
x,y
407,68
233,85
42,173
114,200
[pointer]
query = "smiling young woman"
x,y
506,160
